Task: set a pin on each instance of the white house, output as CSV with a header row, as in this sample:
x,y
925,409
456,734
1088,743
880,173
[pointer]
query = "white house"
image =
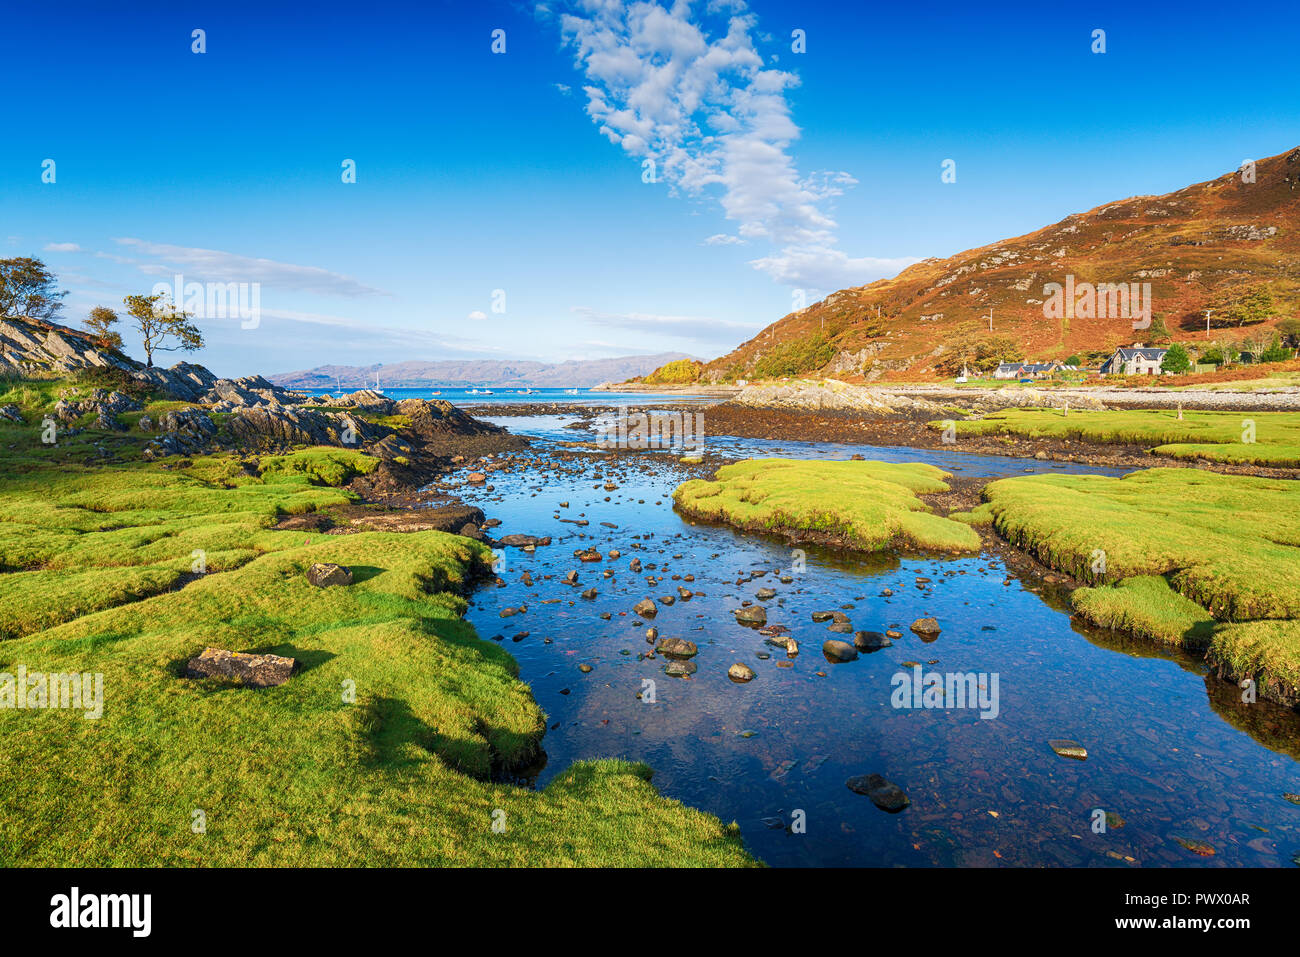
x,y
1135,360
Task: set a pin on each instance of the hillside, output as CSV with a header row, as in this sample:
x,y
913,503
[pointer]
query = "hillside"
x,y
488,372
1207,246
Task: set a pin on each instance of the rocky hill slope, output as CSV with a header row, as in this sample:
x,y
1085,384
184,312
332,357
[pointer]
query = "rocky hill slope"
x,y
1208,246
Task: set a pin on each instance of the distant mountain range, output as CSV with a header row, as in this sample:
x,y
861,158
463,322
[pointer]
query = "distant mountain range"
x,y
452,373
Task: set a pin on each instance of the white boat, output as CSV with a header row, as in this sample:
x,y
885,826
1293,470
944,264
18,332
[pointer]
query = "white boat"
x,y
377,389
571,391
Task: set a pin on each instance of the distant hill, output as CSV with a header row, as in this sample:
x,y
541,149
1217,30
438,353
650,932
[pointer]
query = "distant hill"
x,y
1226,245
478,372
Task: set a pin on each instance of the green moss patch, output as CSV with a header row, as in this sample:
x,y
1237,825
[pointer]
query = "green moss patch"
x,y
865,505
1213,436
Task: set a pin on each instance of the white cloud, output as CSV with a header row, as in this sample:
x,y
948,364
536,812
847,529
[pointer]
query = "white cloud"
x,y
722,239
62,248
215,265
689,327
477,314
715,119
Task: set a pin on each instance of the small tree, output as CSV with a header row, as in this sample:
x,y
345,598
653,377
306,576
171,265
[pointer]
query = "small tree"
x,y
158,321
1253,307
1176,360
100,322
28,288
1275,351
1074,360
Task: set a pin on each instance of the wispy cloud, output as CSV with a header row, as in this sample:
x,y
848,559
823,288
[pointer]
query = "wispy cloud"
x,y
216,265
689,327
62,248
716,121
370,333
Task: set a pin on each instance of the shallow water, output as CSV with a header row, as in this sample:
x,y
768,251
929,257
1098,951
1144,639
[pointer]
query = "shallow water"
x,y
1171,750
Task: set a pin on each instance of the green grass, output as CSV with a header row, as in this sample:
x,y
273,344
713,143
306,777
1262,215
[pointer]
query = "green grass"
x,y
1231,543
93,558
869,505
1206,561
1215,436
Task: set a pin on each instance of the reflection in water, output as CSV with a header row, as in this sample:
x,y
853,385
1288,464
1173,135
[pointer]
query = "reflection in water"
x,y
1167,761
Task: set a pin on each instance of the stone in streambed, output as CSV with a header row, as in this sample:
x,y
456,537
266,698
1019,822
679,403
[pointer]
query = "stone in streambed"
x,y
753,616
884,794
839,651
646,608
1069,749
676,647
926,627
870,641
740,673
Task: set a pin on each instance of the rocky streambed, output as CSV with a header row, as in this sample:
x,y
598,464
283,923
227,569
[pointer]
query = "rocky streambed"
x,y
735,693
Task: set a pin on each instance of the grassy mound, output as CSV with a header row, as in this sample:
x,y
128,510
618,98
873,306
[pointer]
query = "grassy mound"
x,y
867,505
1230,543
1214,436
383,748
1192,558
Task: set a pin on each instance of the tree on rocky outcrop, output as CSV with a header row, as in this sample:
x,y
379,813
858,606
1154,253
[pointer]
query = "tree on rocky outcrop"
x,y
28,288
100,322
159,321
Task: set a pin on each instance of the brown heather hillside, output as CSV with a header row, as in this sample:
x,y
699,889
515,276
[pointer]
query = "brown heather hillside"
x,y
1203,247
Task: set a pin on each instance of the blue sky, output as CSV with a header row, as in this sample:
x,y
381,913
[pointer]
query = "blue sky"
x,y
777,173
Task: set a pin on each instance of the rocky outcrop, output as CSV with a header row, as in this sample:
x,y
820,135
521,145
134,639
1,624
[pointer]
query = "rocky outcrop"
x,y
270,427
185,380
103,404
226,395
30,347
258,671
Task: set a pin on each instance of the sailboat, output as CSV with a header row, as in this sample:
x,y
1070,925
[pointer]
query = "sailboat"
x,y
377,389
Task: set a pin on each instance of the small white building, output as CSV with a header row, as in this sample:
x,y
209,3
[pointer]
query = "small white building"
x,y
1135,360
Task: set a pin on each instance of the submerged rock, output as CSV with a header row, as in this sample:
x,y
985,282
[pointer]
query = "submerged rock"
x,y
838,651
1069,749
884,794
753,616
870,641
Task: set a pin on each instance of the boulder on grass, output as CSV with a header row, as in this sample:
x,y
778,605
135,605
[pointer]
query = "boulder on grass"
x,y
258,671
324,574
